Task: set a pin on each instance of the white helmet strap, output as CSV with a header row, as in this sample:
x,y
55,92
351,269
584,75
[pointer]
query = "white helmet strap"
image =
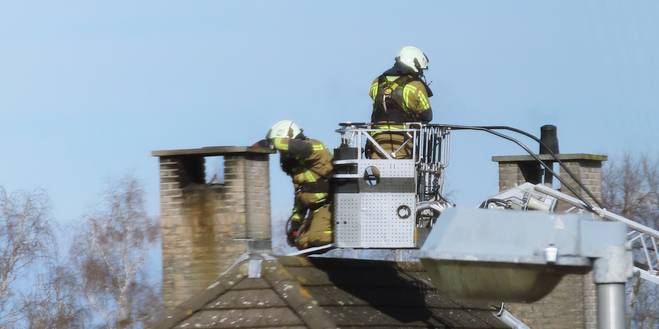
x,y
290,131
418,67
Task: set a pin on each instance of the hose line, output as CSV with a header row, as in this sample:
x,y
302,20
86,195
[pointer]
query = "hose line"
x,y
492,130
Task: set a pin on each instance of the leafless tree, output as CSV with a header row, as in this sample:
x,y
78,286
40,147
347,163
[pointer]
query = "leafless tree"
x,y
53,304
25,239
630,187
109,253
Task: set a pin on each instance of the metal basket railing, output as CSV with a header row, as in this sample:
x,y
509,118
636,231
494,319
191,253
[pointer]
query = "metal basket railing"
x,y
430,145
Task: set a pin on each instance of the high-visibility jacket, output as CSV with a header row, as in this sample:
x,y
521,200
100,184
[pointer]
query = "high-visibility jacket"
x,y
306,160
400,98
309,163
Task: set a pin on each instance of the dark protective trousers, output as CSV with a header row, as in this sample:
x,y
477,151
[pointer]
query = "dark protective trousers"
x,y
316,228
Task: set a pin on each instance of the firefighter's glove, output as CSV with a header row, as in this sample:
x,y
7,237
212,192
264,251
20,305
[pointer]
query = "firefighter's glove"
x,y
261,145
292,232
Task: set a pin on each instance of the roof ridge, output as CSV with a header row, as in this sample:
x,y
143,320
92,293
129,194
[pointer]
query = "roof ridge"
x,y
297,297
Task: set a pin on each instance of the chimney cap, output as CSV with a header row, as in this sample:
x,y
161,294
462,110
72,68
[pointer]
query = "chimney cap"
x,y
547,157
211,151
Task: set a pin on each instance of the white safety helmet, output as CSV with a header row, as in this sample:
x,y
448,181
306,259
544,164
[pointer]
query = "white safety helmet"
x,y
283,129
413,58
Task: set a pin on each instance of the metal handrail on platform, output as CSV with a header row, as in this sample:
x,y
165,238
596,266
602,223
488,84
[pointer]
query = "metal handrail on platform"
x,y
430,151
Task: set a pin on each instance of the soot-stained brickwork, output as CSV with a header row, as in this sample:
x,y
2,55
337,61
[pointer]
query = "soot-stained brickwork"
x,y
203,225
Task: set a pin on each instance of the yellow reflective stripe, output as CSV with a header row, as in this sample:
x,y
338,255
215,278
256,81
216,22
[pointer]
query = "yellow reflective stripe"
x,y
389,126
406,97
281,144
374,89
383,128
412,90
327,232
425,103
295,214
319,197
318,147
309,176
407,91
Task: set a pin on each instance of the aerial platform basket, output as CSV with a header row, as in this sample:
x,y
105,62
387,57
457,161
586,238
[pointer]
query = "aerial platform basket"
x,y
388,202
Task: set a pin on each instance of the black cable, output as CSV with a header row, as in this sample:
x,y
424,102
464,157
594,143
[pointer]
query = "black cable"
x,y
533,155
554,156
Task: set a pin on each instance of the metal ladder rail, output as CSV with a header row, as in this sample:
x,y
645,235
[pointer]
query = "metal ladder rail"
x,y
641,236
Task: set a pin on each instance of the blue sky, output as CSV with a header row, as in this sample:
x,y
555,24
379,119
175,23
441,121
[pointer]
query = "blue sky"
x,y
88,89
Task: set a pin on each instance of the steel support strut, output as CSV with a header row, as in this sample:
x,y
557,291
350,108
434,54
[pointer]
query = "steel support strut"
x,y
611,306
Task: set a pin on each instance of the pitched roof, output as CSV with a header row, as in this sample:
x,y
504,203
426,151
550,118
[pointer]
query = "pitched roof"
x,y
315,292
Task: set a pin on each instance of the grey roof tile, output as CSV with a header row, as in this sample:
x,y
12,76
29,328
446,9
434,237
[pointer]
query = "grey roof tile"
x,y
249,283
243,318
235,299
298,292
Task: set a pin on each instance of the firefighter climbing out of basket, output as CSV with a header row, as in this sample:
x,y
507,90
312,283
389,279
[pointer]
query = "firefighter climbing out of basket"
x,y
309,164
399,95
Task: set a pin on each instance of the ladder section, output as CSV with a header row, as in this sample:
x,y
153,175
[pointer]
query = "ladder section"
x,y
642,238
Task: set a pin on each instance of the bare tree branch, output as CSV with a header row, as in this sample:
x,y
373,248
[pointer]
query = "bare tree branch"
x,y
630,188
53,304
109,253
25,238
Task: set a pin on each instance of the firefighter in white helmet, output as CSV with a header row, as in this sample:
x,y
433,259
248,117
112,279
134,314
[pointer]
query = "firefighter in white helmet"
x,y
400,95
309,164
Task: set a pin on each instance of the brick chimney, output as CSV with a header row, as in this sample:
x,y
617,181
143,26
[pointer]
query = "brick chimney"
x,y
204,225
572,304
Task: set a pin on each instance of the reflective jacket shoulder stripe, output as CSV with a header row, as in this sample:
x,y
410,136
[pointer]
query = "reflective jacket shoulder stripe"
x,y
410,90
374,89
281,144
